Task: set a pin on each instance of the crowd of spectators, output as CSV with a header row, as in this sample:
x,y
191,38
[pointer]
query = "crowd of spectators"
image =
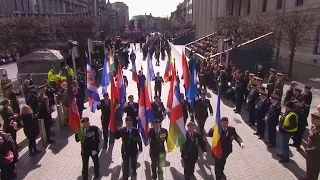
x,y
206,47
181,32
8,57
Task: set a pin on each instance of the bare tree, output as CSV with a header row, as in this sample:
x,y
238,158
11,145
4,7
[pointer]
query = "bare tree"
x,y
295,33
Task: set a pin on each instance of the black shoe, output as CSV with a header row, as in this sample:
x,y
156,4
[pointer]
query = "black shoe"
x,y
37,151
292,145
271,146
279,155
134,173
51,141
96,176
260,137
237,112
283,160
255,133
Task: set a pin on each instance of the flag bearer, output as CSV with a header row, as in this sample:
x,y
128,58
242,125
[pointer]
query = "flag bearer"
x,y
157,137
201,111
158,108
104,105
89,147
131,108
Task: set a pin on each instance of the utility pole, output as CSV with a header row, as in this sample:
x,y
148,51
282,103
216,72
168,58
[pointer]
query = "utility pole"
x,y
280,32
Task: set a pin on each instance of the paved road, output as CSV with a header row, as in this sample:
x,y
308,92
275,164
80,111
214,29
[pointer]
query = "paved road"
x,y
62,160
12,70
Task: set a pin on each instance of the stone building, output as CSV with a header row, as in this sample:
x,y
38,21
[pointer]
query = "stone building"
x,y
123,13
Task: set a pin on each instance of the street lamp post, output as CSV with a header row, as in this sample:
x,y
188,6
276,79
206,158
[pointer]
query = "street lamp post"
x,y
280,32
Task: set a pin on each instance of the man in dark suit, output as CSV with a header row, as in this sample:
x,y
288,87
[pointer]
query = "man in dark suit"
x,y
104,106
251,100
190,150
228,135
157,137
131,141
89,147
158,108
202,105
272,119
158,82
261,110
186,108
131,108
307,94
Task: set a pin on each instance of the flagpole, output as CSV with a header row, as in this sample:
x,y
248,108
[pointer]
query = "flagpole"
x,y
89,49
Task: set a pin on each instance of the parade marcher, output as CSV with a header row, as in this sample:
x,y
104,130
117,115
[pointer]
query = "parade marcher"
x,y
272,119
289,92
89,147
288,125
158,108
130,148
260,72
296,95
307,94
239,93
278,86
9,120
271,81
313,148
9,156
186,108
190,150
131,108
258,81
228,135
45,113
201,111
30,128
104,106
157,137
158,82
302,110
157,56
261,110
251,100
14,103
250,83
33,98
80,97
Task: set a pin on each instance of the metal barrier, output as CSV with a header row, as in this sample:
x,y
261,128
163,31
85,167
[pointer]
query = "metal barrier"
x,y
38,78
16,83
43,133
60,116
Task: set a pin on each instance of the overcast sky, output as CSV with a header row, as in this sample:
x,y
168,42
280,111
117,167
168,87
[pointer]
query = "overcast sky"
x,y
158,8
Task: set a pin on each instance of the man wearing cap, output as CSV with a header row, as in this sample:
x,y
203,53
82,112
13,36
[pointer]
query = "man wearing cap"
x,y
278,86
89,147
190,150
313,149
33,98
272,119
228,135
251,81
302,110
271,81
14,102
131,146
158,81
251,100
296,94
288,125
261,110
157,137
9,119
131,108
307,94
104,106
289,92
158,108
201,111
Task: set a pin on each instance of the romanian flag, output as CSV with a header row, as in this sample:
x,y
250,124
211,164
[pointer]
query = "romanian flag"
x,y
217,131
177,131
114,104
166,76
185,71
74,117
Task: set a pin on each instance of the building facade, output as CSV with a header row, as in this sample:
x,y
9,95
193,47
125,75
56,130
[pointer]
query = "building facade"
x,y
206,11
183,15
147,22
123,12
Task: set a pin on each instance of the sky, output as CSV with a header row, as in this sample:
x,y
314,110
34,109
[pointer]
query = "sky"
x,y
158,8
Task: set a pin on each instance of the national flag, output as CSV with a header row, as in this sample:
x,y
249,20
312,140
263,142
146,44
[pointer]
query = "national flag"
x,y
171,63
74,117
171,92
217,132
112,65
134,69
177,131
121,90
145,113
185,71
150,67
150,76
106,75
92,90
114,103
192,92
166,76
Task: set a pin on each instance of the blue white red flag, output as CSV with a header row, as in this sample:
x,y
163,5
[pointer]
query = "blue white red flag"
x,y
121,90
106,75
92,90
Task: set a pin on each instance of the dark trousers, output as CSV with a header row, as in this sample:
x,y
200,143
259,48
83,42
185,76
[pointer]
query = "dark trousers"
x,y
252,114
125,166
105,131
13,134
297,136
8,171
47,126
219,166
313,165
134,122
85,164
272,134
238,103
261,126
157,91
32,145
189,164
157,163
201,122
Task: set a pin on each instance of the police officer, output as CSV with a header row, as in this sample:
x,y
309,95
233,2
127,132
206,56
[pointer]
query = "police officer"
x,y
261,110
89,147
157,137
307,94
313,148
302,110
271,81
201,111
186,108
278,86
131,141
251,100
272,119
131,108
190,150
289,92
158,108
105,108
158,81
228,135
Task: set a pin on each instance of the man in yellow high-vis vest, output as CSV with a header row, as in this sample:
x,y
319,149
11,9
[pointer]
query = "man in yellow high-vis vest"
x,y
287,126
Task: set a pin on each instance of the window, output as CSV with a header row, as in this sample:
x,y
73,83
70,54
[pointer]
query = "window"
x,y
299,2
264,5
318,42
239,10
249,7
279,4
